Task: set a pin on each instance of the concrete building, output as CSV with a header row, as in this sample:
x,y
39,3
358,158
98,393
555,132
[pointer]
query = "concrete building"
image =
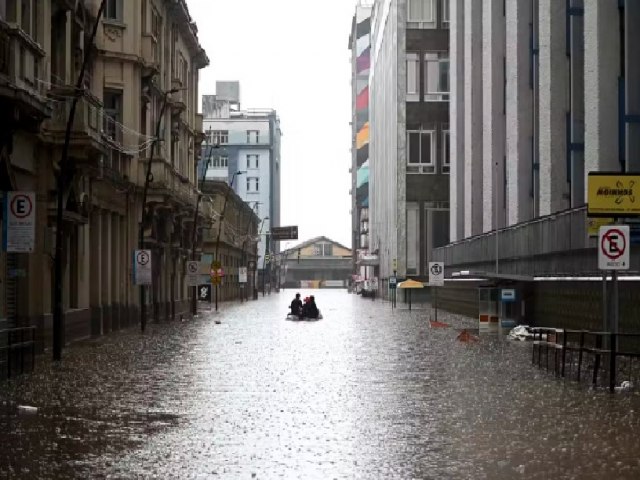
x,y
409,146
543,92
360,47
143,51
246,141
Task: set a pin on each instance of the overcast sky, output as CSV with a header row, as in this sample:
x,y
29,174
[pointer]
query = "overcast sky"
x,y
293,56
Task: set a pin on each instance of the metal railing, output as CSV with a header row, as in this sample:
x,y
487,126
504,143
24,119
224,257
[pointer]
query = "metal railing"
x,y
565,352
17,351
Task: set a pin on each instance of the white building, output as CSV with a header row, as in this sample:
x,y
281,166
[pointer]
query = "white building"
x,y
245,141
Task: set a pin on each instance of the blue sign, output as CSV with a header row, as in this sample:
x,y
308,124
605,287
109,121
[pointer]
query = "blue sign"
x,y
508,295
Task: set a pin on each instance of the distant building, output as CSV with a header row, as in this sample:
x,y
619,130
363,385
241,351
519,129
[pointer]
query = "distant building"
x,y
246,141
360,47
409,147
316,263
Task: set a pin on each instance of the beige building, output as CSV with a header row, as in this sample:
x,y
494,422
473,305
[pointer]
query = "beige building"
x,y
144,49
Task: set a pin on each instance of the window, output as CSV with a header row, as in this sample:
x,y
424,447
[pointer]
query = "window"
x,y
436,78
113,10
421,11
220,137
253,161
253,184
113,115
445,13
221,161
446,151
420,151
156,24
253,136
413,77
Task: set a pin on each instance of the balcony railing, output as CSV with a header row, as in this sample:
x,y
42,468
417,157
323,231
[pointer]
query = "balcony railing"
x,y
150,52
21,61
166,181
87,123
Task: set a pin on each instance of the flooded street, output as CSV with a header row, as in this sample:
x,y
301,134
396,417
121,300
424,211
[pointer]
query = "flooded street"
x,y
364,393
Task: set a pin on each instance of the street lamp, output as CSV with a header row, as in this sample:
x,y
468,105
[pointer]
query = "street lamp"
x,y
255,295
147,180
224,208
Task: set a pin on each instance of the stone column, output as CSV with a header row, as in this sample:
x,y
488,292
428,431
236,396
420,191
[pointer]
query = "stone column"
x,y
473,117
554,75
456,118
519,112
601,71
493,114
116,267
106,271
96,273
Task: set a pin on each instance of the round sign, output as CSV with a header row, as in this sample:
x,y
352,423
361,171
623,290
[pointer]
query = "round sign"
x,y
614,244
142,258
21,206
192,267
436,269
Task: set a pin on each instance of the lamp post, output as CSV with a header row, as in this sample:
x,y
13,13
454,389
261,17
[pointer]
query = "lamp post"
x,y
194,299
263,259
61,187
224,208
147,180
244,244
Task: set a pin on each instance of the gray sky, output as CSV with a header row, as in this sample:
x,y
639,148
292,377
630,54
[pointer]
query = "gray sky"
x,y
293,56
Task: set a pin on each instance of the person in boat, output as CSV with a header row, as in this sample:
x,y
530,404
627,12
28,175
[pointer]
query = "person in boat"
x,y
311,310
296,306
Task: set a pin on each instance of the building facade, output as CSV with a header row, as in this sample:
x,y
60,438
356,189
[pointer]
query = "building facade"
x,y
245,141
142,72
360,47
409,145
543,92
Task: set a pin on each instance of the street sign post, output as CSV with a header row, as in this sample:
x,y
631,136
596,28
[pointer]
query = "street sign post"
x,y
193,273
242,275
142,271
613,255
284,233
19,226
436,279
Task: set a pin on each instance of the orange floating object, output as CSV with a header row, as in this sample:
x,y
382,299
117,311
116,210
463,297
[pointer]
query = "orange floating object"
x,y
436,324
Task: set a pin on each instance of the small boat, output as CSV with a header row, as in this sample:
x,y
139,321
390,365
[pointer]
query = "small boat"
x,y
295,318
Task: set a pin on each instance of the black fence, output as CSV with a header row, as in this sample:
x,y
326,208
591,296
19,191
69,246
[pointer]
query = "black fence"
x,y
17,351
603,357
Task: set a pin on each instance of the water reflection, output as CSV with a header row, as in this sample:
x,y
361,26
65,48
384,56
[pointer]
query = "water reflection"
x,y
364,393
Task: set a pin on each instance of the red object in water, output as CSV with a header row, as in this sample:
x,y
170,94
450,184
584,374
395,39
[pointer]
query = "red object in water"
x,y
436,324
466,337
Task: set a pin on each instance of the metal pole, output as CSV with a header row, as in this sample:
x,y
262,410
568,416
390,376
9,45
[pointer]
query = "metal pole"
x,y
614,302
495,219
435,293
61,185
264,262
605,304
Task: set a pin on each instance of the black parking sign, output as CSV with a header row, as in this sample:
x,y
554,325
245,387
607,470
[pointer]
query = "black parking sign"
x,y
204,293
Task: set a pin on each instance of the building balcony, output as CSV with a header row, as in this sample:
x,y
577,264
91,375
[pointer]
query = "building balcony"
x,y
21,87
86,130
168,185
150,54
178,100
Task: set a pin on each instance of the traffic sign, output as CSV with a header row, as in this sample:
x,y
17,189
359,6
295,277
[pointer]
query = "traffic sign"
x,y
19,227
436,274
193,273
142,267
242,275
204,293
252,265
393,282
284,233
613,248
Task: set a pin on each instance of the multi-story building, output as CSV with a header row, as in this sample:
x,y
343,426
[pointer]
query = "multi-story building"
x,y
243,148
143,72
409,146
543,92
360,47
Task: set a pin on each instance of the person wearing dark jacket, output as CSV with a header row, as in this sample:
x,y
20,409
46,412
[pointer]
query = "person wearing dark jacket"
x,y
296,306
311,310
